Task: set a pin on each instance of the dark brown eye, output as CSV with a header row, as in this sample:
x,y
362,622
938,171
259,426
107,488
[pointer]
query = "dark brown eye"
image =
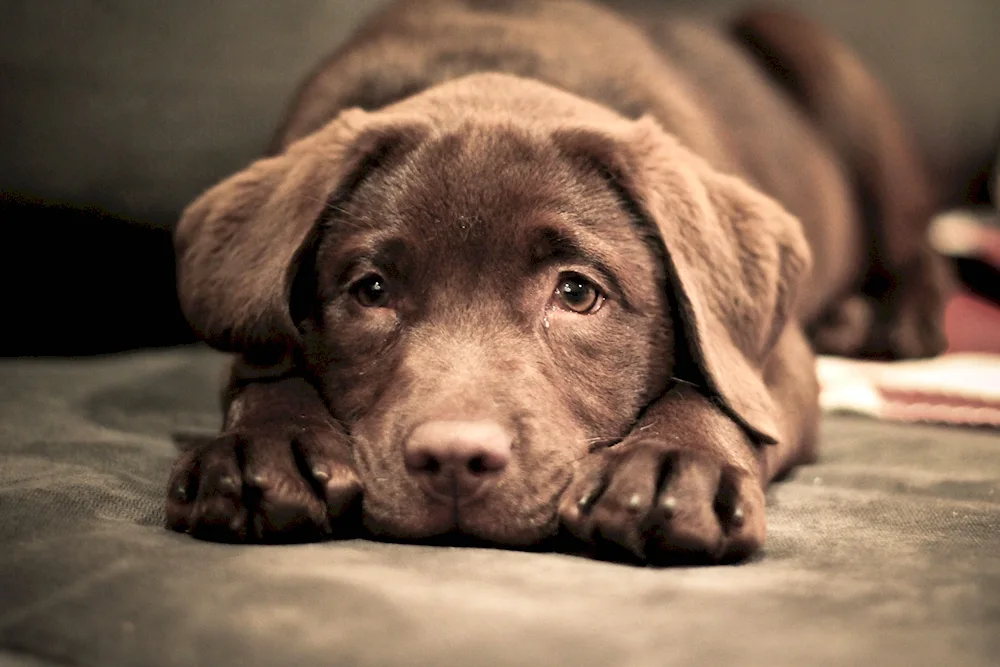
x,y
577,294
371,291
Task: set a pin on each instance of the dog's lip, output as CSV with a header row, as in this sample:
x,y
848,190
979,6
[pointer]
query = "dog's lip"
x,y
455,534
456,502
448,524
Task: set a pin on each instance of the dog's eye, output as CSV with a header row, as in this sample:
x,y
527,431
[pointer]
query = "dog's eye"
x,y
371,291
578,294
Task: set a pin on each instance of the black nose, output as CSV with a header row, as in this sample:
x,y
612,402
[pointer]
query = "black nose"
x,y
457,459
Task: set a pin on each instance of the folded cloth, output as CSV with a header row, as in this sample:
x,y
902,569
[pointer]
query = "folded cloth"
x,y
961,387
951,389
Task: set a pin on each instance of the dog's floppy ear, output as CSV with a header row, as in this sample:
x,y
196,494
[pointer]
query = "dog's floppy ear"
x,y
734,256
239,243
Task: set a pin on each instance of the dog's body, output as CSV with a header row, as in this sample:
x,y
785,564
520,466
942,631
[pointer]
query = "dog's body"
x,y
537,279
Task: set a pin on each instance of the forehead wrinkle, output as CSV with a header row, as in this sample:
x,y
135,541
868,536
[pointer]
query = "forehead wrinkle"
x,y
481,166
617,259
343,249
478,212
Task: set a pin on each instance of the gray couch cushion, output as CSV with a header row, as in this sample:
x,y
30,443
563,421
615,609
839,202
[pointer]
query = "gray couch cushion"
x,y
885,553
135,106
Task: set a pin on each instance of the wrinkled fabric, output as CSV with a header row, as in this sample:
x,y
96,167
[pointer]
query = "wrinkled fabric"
x,y
887,552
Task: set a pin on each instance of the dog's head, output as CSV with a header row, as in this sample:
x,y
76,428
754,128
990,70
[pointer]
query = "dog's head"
x,y
486,282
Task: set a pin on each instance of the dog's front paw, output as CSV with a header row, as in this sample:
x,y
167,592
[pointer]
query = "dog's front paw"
x,y
665,505
265,484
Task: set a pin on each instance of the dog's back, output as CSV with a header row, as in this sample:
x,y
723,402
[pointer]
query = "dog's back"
x,y
580,47
788,122
697,83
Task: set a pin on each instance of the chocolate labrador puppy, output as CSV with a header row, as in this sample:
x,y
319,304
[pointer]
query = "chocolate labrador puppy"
x,y
516,265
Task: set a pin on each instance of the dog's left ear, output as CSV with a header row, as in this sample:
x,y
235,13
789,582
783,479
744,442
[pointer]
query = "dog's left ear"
x,y
734,256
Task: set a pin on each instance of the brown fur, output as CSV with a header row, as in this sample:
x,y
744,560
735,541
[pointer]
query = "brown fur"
x,y
474,154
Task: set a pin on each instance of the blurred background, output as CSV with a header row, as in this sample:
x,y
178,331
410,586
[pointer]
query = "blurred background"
x,y
116,113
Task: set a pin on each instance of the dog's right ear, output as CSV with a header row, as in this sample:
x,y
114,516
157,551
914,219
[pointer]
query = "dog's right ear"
x,y
239,243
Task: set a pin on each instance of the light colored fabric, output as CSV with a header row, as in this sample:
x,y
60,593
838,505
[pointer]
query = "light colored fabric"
x,y
885,553
952,389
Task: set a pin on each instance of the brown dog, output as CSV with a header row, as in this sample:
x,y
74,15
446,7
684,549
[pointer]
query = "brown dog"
x,y
516,264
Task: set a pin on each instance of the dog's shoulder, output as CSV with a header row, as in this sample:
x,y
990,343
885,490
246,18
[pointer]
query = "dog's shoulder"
x,y
584,48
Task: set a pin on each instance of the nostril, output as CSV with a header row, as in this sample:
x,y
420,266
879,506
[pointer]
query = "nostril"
x,y
477,465
423,461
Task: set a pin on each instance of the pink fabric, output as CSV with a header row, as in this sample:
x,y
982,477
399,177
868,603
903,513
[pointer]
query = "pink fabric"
x,y
972,324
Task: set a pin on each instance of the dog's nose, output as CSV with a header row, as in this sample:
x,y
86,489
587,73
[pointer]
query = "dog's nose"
x,y
457,459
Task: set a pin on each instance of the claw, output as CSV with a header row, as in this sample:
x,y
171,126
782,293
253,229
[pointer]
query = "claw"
x,y
227,484
738,517
634,502
669,506
258,479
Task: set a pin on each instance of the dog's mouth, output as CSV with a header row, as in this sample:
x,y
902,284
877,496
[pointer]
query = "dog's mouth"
x,y
553,540
485,521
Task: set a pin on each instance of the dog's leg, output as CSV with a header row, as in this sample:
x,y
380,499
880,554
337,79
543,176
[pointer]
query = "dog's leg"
x,y
897,311
280,470
687,484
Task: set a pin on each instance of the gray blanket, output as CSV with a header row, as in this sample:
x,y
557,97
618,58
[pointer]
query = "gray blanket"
x,y
886,553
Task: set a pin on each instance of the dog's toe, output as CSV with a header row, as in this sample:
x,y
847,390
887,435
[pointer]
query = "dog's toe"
x,y
204,497
665,505
326,464
706,511
262,485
